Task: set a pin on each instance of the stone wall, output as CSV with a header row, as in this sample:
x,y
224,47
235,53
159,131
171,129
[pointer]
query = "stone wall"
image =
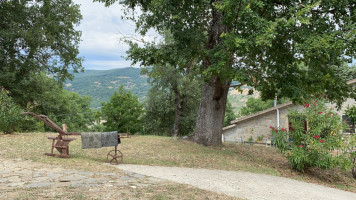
x,y
256,126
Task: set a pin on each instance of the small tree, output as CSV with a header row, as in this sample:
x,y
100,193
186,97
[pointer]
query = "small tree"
x,y
322,144
10,113
122,111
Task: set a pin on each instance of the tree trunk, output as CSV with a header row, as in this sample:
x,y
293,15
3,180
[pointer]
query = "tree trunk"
x,y
211,113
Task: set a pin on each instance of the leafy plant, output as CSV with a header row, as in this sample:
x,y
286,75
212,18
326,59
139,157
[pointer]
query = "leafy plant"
x,y
260,138
351,114
322,144
250,140
229,114
123,111
10,113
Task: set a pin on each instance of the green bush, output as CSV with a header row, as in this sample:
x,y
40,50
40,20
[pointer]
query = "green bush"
x,y
123,111
322,144
10,113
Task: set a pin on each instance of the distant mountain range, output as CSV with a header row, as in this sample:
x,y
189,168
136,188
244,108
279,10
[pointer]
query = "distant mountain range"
x,y
101,84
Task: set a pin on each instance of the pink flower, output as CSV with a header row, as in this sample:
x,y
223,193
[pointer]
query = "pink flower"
x,y
316,136
321,141
320,112
351,125
306,105
300,146
276,131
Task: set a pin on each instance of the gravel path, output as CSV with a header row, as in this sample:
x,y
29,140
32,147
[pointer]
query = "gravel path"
x,y
15,173
242,184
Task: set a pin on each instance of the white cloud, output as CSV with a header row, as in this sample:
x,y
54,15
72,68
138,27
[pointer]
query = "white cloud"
x,y
102,28
108,64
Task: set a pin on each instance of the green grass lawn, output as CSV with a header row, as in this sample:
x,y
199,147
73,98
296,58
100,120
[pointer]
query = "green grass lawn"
x,y
166,151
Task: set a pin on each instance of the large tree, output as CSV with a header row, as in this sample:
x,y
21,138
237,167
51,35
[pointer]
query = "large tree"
x,y
172,101
286,48
35,37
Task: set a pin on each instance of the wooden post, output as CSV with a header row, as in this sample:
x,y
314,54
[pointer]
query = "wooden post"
x,y
64,127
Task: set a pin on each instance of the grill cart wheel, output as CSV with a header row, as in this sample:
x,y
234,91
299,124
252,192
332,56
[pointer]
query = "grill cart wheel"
x,y
115,156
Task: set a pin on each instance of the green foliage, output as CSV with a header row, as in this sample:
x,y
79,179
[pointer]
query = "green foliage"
x,y
123,111
229,114
254,105
10,113
38,41
351,114
321,145
62,106
172,101
38,36
348,72
159,113
250,139
259,138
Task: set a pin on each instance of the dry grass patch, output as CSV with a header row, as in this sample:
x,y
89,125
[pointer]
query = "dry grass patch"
x,y
158,192
166,151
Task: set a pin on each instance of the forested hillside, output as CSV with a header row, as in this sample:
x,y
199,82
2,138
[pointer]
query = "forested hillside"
x,y
101,84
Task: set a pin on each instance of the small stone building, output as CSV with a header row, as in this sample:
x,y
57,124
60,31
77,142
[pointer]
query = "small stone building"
x,y
259,123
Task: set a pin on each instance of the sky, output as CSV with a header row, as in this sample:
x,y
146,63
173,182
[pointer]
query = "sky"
x,y
102,28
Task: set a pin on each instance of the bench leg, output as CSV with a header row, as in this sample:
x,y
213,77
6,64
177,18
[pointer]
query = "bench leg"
x,y
52,148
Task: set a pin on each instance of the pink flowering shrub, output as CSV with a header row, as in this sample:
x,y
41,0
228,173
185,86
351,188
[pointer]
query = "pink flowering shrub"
x,y
315,139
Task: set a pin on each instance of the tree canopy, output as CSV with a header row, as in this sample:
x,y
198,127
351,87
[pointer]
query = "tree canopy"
x,y
35,37
282,48
38,52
